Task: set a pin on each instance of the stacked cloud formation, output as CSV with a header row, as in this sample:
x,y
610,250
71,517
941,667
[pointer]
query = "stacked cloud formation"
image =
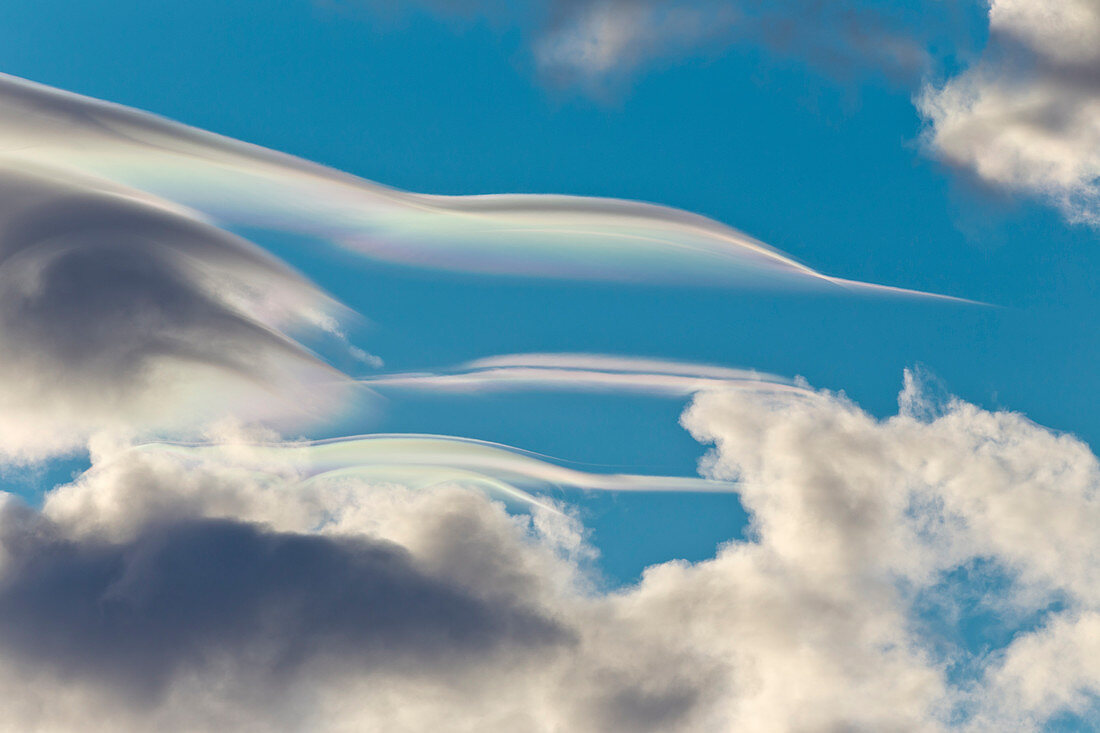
x,y
127,305
378,583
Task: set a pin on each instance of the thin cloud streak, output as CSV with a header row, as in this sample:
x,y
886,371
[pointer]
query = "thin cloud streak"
x,y
586,373
426,461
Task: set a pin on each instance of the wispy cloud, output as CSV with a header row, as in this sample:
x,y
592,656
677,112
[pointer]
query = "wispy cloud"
x,y
424,461
596,42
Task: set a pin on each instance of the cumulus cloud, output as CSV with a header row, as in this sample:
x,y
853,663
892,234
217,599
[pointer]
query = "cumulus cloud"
x,y
276,600
123,312
1026,115
891,511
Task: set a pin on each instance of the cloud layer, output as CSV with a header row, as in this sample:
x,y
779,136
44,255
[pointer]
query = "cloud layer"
x,y
898,575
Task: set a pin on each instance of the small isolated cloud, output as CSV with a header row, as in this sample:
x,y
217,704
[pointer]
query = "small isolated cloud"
x,y
1026,115
176,590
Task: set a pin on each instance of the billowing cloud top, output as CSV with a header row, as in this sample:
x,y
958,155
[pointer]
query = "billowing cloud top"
x,y
180,589
1026,115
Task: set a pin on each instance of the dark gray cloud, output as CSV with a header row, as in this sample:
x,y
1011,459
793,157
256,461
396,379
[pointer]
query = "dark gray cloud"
x,y
111,301
184,595
190,594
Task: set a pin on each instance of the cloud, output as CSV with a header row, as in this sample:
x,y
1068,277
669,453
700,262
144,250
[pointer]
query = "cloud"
x,y
584,373
1026,115
241,185
125,313
197,592
594,42
842,608
595,45
304,470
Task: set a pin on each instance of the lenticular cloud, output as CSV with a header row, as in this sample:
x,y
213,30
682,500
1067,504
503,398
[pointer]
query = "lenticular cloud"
x,y
243,185
584,373
423,461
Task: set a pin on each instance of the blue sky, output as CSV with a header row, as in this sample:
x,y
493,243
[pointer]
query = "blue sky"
x,y
832,164
830,172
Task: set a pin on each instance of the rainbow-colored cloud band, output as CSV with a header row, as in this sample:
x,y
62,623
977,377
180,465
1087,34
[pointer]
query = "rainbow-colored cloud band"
x,y
423,461
236,184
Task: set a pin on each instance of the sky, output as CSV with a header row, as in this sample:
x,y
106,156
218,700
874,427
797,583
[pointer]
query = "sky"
x,y
561,365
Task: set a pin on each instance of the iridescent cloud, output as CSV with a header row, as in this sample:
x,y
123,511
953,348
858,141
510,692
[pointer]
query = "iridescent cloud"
x,y
423,461
242,185
585,373
124,313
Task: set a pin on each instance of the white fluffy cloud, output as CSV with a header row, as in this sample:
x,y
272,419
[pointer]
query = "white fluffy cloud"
x,y
1026,115
346,605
